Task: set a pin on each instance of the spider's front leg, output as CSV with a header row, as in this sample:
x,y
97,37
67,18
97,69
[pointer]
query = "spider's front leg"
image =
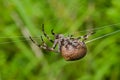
x,y
56,41
46,34
59,39
43,45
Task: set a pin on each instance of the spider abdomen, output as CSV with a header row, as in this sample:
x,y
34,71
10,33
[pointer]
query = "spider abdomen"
x,y
71,52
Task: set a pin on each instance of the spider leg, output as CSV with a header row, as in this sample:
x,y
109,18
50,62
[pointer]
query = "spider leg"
x,y
48,48
53,32
46,34
70,37
55,41
43,45
85,37
34,42
55,44
80,37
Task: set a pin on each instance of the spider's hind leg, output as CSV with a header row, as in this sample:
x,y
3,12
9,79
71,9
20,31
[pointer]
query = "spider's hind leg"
x,y
86,36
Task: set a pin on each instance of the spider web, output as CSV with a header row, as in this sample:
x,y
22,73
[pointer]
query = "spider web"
x,y
23,39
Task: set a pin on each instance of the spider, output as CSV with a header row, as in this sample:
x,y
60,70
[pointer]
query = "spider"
x,y
70,48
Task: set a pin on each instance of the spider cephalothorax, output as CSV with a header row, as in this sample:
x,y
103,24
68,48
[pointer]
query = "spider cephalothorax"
x,y
69,47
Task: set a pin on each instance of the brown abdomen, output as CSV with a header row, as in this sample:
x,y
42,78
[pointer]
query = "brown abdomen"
x,y
71,53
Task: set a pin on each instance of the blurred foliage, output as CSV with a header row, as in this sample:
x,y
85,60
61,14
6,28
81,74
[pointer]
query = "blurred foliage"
x,y
22,60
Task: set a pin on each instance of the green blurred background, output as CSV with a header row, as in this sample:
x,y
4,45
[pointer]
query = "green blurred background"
x,y
20,59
